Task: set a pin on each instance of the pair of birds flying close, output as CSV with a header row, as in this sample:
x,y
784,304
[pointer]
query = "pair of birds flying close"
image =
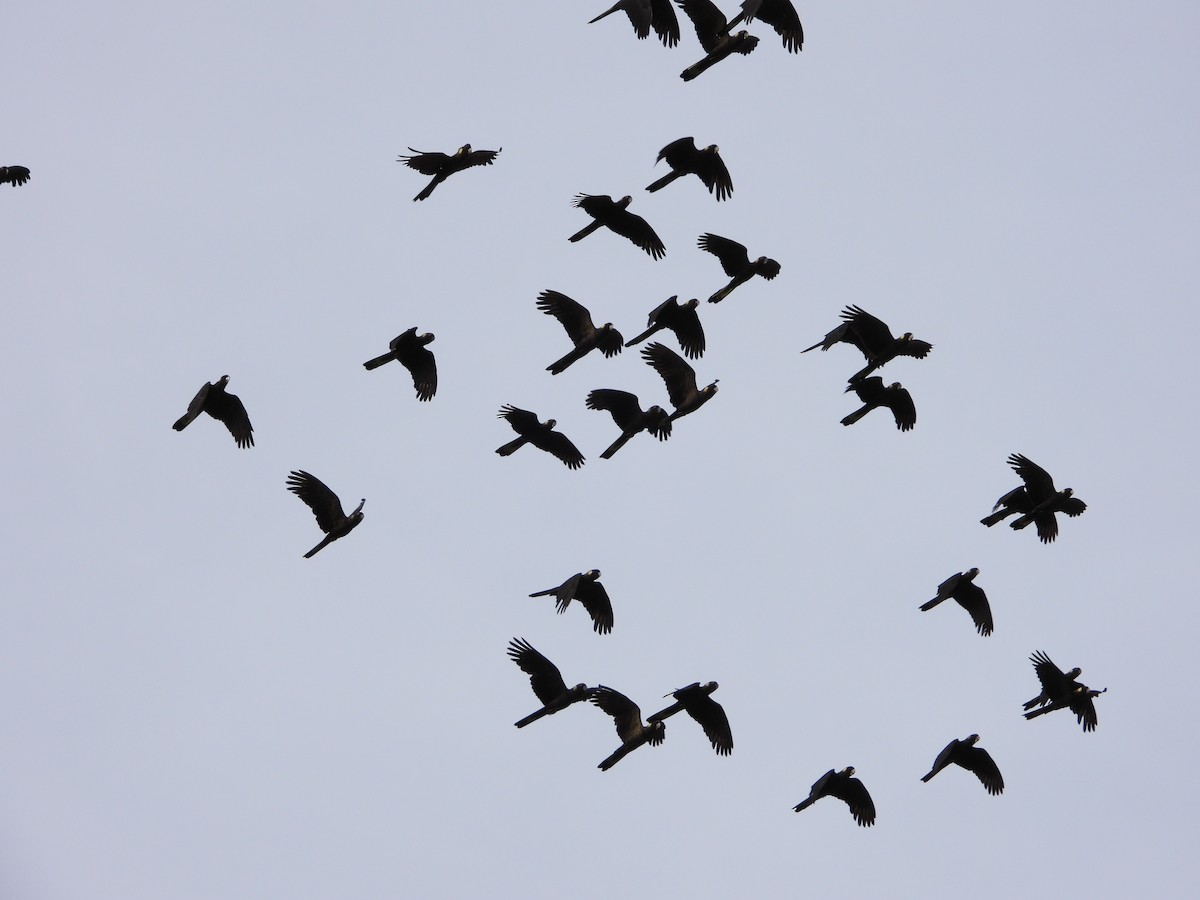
x,y
873,339
1035,501
1062,690
718,39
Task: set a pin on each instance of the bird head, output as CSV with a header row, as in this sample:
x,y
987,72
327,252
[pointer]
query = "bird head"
x,y
550,423
972,739
907,336
712,148
625,201
427,337
1067,492
849,770
973,571
1075,672
464,150
712,388
358,509
223,380
691,304
593,574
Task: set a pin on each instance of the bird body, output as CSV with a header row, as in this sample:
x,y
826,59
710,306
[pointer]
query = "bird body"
x,y
546,681
442,165
587,589
685,158
541,434
409,349
577,322
736,262
680,318
628,415
873,394
224,407
962,588
974,759
846,788
713,32
325,506
680,379
696,700
614,215
627,716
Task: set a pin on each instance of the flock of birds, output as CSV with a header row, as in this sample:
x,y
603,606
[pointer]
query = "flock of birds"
x,y
1035,501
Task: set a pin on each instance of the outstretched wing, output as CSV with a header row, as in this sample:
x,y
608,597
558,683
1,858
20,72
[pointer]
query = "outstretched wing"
x,y
320,499
1038,483
522,420
635,228
595,600
194,408
228,409
572,315
544,677
626,714
708,21
733,256
621,405
854,793
426,163
677,375
979,761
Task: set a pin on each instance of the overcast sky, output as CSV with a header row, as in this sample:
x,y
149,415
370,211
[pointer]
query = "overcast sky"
x,y
190,710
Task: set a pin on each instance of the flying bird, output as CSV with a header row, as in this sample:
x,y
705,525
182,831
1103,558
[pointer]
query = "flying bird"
x,y
13,175
847,789
630,728
696,700
736,262
442,165
546,681
1036,501
873,394
646,14
974,759
615,216
874,340
712,29
224,407
685,159
541,434
962,588
409,349
325,506
780,14
577,321
680,379
587,589
681,318
629,416
1061,689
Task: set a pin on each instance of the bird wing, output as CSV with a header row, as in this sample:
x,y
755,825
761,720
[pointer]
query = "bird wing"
x,y
710,715
626,714
1054,680
979,761
320,499
1038,483
595,600
678,154
228,409
943,759
478,158
679,377
1073,507
711,169
870,390
621,405
708,21
609,341
572,315
971,597
685,323
914,348
635,228
664,22
900,402
595,205
422,366
522,420
1085,710
559,445
733,256
426,163
782,16
194,408
854,793
544,677
874,337
14,175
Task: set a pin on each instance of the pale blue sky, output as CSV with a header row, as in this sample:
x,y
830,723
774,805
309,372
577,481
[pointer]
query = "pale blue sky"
x,y
190,710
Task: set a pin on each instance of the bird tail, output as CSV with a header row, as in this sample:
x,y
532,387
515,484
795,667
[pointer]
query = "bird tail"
x,y
616,756
533,717
545,593
698,68
428,189
607,12
1040,699
583,232
1022,522
820,343
930,775
855,416
617,444
378,361
182,422
641,337
512,446
560,365
803,804
995,517
663,182
932,603
723,293
313,552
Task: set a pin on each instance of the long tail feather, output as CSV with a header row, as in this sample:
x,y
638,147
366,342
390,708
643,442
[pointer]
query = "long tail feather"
x,y
378,361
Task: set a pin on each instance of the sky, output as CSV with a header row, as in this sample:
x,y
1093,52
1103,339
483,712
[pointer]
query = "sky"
x,y
191,710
